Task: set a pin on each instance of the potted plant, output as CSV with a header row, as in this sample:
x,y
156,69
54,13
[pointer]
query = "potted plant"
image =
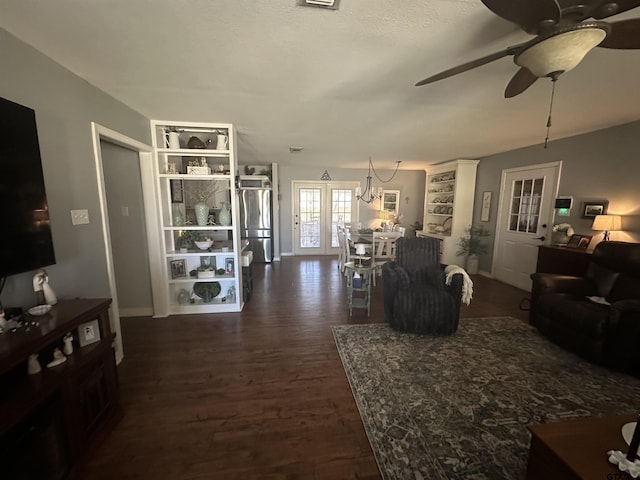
x,y
472,245
186,239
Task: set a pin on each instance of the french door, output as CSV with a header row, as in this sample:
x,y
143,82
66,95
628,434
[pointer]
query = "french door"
x,y
317,209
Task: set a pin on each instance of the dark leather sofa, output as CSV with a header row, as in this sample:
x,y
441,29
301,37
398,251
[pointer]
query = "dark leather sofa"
x,y
608,335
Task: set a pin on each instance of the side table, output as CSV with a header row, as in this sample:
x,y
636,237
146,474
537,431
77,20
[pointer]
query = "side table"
x,y
577,449
359,287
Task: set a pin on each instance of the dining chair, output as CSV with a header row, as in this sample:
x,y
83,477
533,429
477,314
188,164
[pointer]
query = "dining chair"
x,y
384,249
342,255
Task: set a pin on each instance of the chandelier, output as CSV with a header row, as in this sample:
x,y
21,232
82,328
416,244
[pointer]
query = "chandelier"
x,y
371,194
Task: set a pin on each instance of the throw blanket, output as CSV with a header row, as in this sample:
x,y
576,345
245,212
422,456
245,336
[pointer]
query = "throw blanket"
x,y
467,284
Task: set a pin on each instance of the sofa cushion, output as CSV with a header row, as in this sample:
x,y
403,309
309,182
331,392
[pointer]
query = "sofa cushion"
x,y
603,277
577,314
625,287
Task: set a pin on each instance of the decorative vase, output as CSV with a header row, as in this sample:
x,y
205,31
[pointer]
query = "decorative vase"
x,y
224,217
202,213
472,264
178,217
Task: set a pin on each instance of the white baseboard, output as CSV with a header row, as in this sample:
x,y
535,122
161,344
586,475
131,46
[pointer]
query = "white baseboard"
x,y
287,254
485,274
136,312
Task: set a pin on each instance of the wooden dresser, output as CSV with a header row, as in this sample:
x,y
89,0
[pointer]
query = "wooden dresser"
x,y
562,260
49,420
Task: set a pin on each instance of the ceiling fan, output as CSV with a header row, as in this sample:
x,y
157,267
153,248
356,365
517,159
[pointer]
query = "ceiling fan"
x,y
563,36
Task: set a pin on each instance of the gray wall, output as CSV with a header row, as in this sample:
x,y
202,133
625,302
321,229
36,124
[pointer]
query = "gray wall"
x,y
603,165
409,182
65,105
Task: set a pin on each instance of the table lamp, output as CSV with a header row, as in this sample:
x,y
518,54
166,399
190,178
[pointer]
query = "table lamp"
x,y
607,223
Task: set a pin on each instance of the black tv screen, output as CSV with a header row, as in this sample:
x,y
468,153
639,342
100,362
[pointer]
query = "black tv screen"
x,y
25,238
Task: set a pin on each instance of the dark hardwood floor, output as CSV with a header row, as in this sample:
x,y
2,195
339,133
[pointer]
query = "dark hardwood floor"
x,y
259,394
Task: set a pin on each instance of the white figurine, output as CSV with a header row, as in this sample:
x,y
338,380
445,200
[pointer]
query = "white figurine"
x,y
33,365
68,344
44,292
58,358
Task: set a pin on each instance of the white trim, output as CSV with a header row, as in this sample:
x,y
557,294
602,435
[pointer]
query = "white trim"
x,y
145,153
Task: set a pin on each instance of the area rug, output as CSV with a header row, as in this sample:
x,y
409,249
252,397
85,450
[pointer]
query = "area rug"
x,y
458,407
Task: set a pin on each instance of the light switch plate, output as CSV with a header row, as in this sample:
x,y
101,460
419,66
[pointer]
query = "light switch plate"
x,y
79,217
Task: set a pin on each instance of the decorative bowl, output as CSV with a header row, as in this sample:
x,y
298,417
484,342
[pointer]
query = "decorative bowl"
x,y
203,244
39,310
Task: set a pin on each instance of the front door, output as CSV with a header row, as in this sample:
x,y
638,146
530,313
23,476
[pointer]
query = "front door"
x,y
317,209
524,221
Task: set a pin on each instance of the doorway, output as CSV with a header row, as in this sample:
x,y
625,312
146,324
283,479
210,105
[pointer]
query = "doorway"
x,y
525,214
145,165
317,209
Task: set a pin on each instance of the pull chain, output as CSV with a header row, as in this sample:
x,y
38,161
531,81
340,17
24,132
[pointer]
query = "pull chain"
x,y
553,91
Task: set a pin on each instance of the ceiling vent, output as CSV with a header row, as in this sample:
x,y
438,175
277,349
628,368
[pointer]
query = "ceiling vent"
x,y
331,4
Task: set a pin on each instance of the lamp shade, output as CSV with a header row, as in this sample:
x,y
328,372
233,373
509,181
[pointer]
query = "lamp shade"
x,y
607,222
360,249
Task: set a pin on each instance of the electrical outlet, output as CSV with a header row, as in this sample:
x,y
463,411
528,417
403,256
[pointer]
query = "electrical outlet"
x,y
79,217
124,211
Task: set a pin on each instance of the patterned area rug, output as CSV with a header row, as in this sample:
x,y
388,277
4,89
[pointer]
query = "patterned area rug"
x,y
458,407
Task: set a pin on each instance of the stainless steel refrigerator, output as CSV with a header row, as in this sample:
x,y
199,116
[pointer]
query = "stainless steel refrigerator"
x,y
255,222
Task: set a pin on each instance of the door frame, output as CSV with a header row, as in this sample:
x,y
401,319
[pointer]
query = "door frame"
x,y
152,224
557,165
346,184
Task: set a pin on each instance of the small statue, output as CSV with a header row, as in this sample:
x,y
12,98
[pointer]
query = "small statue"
x,y
68,344
44,293
33,365
58,358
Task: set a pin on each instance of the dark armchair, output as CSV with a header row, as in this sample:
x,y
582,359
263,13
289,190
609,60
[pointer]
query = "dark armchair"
x,y
416,298
606,331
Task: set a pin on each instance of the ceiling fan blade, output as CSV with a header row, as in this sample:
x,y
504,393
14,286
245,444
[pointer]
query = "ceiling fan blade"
x,y
522,80
471,65
605,11
624,34
526,13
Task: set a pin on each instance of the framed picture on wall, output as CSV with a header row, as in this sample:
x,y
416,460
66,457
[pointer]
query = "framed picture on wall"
x,y
486,206
591,209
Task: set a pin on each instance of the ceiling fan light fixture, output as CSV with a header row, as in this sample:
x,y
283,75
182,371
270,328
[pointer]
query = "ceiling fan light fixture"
x,y
562,50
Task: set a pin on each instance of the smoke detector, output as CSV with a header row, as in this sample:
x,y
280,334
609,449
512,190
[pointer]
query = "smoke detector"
x,y
331,4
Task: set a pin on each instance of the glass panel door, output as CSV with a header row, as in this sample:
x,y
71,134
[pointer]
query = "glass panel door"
x,y
318,209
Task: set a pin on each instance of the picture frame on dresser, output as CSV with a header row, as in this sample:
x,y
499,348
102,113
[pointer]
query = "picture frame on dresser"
x,y
89,333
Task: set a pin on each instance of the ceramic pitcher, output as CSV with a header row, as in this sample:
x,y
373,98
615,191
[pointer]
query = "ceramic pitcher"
x,y
223,142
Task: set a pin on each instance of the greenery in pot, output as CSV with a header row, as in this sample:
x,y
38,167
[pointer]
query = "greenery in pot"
x,y
472,243
187,237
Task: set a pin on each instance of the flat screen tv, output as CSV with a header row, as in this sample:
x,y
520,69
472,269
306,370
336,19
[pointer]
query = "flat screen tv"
x,y
25,231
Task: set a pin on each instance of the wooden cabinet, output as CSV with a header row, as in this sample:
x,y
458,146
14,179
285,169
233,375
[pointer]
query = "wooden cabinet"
x,y
49,420
196,171
562,260
448,205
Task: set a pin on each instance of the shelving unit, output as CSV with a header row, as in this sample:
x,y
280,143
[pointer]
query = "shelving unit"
x,y
448,205
198,173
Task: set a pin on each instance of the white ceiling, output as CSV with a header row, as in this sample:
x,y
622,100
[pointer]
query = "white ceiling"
x,y
340,83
